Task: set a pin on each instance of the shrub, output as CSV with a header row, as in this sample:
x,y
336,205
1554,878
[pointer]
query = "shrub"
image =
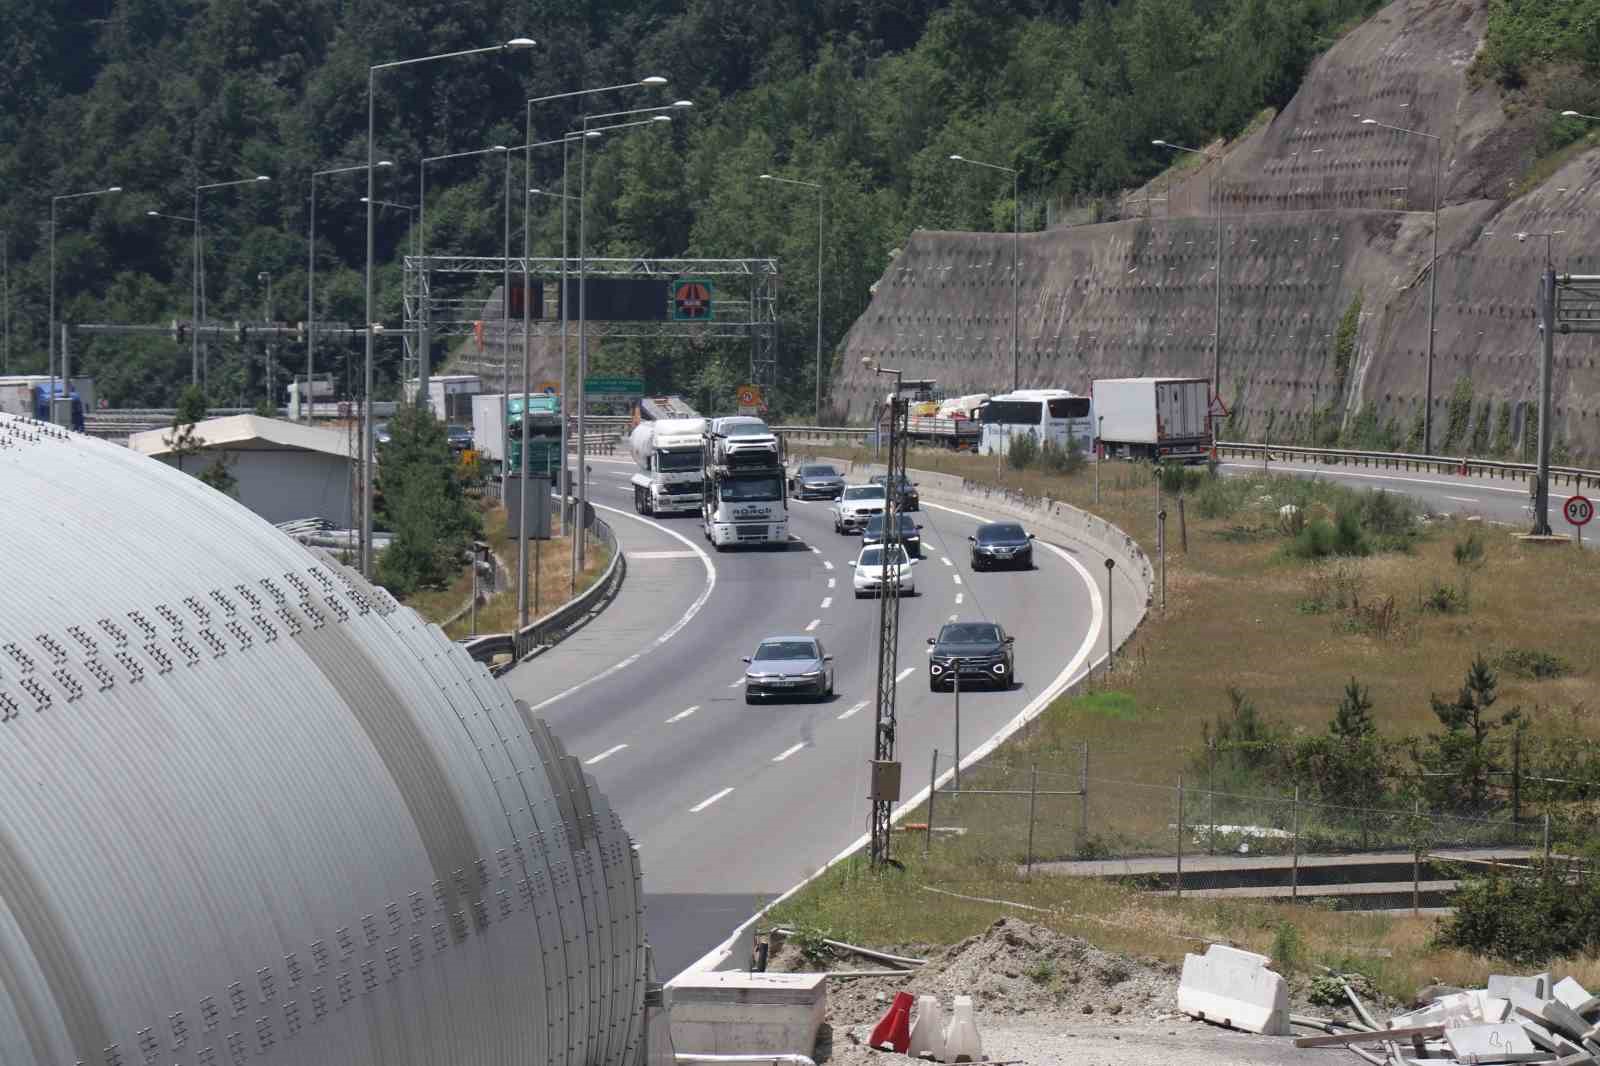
x,y
1385,515
1321,539
1442,599
1526,917
1023,452
1533,664
1287,948
1055,459
1469,551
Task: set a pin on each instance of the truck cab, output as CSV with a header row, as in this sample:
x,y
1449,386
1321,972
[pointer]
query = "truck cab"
x,y
744,488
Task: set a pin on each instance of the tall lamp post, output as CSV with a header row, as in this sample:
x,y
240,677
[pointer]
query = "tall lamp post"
x,y
527,325
194,315
311,287
5,279
583,293
1216,211
266,319
52,337
1016,239
1433,272
366,397
817,186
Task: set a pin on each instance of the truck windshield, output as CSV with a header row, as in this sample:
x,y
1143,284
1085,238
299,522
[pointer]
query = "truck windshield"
x,y
678,462
751,489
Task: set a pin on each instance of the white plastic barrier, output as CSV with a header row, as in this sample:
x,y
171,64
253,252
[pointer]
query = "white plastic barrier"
x,y
1234,988
961,1040
927,1030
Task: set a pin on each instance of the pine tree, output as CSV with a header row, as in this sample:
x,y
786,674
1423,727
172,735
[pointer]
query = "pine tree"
x,y
1352,720
182,440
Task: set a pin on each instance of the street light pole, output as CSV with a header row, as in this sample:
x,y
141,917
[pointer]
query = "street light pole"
x,y
5,274
817,186
1216,282
311,288
266,319
583,300
194,339
1016,241
52,331
1433,272
366,397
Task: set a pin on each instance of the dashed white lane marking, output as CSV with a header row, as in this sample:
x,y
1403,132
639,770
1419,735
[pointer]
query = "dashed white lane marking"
x,y
827,601
708,801
1463,499
957,577
954,617
852,710
737,683
815,622
830,582
816,551
827,564
959,597
661,555
604,754
902,675
786,752
945,559
681,715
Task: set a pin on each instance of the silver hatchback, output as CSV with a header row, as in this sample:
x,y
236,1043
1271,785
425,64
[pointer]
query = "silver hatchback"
x,y
788,666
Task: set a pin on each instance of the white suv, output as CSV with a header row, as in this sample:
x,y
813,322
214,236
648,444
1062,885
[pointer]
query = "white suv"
x,y
855,505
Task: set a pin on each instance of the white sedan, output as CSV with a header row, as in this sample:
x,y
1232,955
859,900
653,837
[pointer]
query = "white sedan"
x,y
870,571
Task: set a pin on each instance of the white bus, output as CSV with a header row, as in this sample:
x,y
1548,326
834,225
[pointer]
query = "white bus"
x,y
1049,414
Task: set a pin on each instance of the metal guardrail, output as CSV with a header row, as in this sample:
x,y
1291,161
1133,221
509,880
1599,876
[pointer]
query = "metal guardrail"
x,y
824,434
1575,477
556,626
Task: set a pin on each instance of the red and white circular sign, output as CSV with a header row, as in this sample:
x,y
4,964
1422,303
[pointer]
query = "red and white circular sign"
x,y
1578,510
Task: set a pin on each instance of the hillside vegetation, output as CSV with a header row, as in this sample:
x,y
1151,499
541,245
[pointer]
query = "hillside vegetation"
x,y
870,97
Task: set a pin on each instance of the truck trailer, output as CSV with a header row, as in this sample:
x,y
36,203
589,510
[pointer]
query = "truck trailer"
x,y
28,396
744,494
1153,418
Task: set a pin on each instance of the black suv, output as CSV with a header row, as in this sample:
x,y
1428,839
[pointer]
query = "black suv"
x,y
1001,544
979,653
910,533
908,498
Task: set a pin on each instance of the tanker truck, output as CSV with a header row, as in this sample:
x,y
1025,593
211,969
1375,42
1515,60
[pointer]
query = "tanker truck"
x,y
668,452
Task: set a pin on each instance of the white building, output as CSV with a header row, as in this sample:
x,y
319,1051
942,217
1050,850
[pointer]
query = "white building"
x,y
284,470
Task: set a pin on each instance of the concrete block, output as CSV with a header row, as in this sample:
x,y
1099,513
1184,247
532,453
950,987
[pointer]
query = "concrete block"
x,y
1234,988
1491,1043
1569,992
1458,1008
1537,985
734,1013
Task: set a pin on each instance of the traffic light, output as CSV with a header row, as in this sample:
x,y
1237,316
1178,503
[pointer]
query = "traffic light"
x,y
240,331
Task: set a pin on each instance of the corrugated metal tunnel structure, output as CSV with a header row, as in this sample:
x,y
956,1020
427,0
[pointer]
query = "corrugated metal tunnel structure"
x,y
254,811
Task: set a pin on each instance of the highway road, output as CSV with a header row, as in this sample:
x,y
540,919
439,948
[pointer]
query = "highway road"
x,y
732,805
1504,501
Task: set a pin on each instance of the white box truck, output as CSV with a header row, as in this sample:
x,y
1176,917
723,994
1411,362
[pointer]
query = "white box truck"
x,y
1153,418
489,426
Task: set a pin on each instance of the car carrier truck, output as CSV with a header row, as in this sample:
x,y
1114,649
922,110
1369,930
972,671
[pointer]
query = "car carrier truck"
x,y
744,494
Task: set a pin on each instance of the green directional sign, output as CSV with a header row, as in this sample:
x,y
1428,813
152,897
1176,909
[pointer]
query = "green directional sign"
x,y
612,390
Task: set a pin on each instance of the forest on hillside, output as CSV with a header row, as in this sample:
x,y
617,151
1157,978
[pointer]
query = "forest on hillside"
x,y
867,97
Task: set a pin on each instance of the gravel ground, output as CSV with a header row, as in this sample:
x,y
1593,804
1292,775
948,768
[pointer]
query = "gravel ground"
x,y
1041,997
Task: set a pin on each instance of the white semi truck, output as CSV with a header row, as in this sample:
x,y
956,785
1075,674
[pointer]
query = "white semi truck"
x,y
744,491
1153,418
671,465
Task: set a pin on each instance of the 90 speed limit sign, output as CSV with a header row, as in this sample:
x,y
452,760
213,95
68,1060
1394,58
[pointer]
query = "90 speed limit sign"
x,y
1578,510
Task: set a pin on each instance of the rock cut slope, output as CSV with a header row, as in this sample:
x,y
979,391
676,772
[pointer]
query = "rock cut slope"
x,y
1318,211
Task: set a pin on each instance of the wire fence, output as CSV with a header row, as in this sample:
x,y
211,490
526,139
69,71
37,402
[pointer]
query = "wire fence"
x,y
1023,814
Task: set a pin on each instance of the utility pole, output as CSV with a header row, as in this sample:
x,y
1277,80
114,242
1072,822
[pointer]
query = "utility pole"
x,y
5,279
883,729
1568,303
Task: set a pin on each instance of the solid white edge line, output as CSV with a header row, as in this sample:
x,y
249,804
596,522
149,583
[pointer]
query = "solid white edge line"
x,y
681,715
708,801
786,752
1290,468
1069,674
672,631
852,710
604,754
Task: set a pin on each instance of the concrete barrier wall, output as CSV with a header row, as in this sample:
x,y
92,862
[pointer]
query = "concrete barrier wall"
x,y
1133,579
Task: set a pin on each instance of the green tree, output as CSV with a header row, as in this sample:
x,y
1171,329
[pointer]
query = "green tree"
x,y
422,505
218,476
1463,756
183,441
1352,719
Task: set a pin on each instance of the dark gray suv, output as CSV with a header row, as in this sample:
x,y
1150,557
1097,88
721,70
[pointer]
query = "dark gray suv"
x,y
816,481
979,653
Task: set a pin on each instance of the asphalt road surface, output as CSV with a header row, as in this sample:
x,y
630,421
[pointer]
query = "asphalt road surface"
x,y
732,805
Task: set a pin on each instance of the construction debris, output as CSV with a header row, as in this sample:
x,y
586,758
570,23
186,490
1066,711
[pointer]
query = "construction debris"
x,y
1515,1019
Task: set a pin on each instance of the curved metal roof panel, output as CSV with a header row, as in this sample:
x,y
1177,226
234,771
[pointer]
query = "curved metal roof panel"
x,y
252,810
